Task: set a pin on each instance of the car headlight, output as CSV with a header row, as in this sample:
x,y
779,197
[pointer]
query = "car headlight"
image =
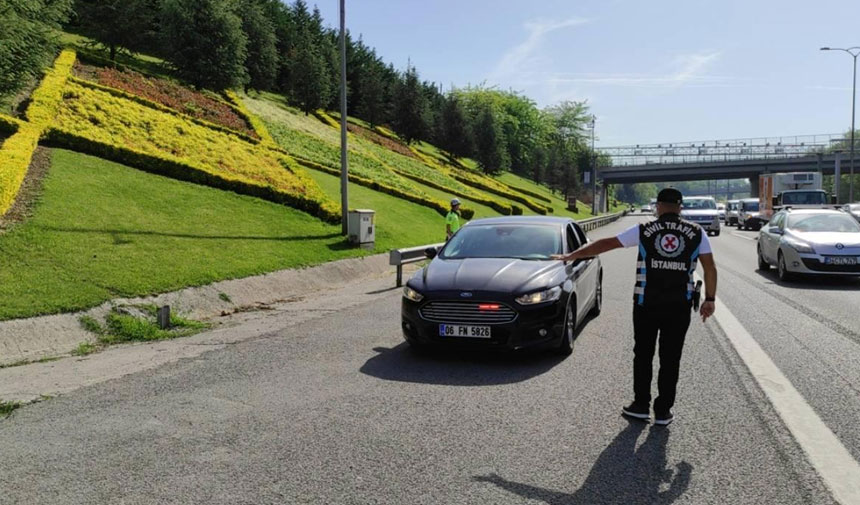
x,y
547,295
411,294
799,246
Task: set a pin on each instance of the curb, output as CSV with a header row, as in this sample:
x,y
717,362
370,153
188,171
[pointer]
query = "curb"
x,y
46,336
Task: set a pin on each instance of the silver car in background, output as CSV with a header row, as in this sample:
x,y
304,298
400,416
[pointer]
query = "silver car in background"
x,y
810,241
853,209
702,210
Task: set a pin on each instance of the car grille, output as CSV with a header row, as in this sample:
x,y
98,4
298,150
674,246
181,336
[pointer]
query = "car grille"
x,y
467,313
814,264
700,219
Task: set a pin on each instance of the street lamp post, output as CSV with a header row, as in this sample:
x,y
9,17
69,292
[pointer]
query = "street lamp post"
x,y
854,52
344,179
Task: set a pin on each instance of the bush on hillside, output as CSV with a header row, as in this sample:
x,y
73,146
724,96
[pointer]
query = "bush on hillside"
x,y
17,151
131,133
28,39
205,41
169,94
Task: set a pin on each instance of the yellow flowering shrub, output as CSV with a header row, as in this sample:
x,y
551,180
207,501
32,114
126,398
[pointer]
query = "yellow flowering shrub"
x,y
17,151
255,122
126,131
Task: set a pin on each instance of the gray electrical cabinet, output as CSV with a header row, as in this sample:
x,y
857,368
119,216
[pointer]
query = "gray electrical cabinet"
x,y
361,226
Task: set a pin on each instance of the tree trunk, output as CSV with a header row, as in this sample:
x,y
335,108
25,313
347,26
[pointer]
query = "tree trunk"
x,y
113,53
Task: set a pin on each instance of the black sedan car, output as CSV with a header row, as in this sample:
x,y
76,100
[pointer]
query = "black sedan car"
x,y
494,285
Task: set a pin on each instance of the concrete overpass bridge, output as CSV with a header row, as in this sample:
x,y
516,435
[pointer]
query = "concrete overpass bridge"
x,y
724,159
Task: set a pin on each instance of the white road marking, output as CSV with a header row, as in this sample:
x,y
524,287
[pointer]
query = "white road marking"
x,y
745,237
837,468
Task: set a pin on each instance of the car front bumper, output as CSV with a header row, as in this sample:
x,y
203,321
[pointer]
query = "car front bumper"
x,y
813,264
534,327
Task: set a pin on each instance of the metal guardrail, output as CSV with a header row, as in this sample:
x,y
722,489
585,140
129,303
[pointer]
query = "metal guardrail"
x,y
596,222
400,257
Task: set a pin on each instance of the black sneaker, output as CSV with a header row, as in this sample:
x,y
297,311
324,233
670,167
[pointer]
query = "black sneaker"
x,y
663,418
637,411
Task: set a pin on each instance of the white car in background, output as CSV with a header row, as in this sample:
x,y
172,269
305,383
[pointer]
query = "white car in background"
x,y
702,210
721,209
732,207
810,241
853,209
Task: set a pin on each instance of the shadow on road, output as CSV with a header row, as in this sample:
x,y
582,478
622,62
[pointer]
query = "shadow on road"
x,y
457,367
621,474
813,282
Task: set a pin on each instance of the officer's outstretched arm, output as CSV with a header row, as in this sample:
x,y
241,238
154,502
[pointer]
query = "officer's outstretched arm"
x,y
593,249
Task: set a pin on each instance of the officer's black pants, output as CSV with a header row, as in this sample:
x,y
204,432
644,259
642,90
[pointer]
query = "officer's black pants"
x,y
672,325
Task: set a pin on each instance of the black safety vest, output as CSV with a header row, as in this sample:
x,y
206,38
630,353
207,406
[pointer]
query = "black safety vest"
x,y
668,256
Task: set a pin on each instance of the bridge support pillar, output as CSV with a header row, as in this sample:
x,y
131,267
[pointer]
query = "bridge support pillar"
x,y
754,187
604,200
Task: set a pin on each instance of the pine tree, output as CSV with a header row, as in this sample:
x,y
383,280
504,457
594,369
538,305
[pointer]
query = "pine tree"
x,y
310,81
455,132
410,120
27,38
262,61
108,22
490,148
206,41
372,104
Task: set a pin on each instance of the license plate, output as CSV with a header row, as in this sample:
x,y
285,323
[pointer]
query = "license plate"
x,y
840,260
456,330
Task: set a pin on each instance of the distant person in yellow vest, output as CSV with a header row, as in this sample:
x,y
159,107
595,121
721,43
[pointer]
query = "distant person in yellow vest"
x,y
452,220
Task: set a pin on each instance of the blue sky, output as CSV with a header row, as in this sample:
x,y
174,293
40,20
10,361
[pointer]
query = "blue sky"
x,y
658,71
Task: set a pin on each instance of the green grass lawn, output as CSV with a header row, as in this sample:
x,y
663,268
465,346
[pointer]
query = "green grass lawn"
x,y
103,230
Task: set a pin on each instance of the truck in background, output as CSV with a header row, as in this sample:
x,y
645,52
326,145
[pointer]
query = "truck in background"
x,y
797,190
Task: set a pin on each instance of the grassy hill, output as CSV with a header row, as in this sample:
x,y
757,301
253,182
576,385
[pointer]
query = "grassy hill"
x,y
180,187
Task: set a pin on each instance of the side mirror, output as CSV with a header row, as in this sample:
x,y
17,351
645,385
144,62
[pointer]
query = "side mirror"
x,y
430,252
775,230
775,201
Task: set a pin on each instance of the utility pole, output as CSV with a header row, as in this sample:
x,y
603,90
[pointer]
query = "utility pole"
x,y
593,169
344,178
854,52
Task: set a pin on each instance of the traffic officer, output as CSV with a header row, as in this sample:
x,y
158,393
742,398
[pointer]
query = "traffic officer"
x,y
669,250
452,220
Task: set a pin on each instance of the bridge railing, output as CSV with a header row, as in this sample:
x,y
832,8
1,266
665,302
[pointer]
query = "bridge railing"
x,y
726,150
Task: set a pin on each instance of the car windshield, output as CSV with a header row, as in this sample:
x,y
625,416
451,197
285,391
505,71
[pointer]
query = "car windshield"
x,y
823,223
530,242
752,205
699,204
805,198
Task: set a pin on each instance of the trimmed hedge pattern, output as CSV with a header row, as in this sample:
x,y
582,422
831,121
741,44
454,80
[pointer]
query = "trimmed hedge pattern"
x,y
325,118
314,204
486,184
438,205
123,130
255,122
17,151
417,169
161,108
9,124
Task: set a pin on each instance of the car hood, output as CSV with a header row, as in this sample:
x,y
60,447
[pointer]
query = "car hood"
x,y
850,240
700,212
506,275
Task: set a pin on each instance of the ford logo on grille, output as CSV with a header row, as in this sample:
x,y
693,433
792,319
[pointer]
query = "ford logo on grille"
x,y
466,294
840,246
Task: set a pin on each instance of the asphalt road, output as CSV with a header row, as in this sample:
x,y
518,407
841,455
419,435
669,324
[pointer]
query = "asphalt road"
x,y
337,409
